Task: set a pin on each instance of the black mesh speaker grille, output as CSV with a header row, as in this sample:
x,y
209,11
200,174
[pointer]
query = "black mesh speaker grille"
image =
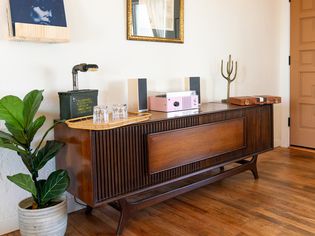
x,y
142,93
194,84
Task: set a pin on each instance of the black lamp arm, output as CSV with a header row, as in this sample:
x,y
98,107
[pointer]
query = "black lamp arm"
x,y
83,68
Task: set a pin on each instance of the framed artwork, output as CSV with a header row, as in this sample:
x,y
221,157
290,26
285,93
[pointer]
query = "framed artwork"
x,y
37,19
156,20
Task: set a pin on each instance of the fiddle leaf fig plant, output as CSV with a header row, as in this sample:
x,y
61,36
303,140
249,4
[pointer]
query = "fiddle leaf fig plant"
x,y
19,117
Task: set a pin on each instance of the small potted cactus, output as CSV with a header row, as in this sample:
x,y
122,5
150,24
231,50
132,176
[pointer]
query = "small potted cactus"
x,y
45,212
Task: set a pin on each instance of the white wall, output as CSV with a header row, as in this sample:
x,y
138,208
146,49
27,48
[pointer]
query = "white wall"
x,y
255,32
284,72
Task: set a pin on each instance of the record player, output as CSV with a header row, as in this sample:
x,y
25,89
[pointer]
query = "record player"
x,y
174,101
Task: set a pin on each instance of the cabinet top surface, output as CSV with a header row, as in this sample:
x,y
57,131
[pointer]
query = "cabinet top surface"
x,y
211,107
206,108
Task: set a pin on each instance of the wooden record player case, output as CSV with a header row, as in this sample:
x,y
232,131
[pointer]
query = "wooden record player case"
x,y
115,165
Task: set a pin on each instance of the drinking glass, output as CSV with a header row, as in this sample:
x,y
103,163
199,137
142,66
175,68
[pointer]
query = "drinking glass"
x,y
100,114
120,111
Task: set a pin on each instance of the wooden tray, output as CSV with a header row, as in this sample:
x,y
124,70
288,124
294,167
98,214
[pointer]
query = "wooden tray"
x,y
252,100
86,122
268,99
243,101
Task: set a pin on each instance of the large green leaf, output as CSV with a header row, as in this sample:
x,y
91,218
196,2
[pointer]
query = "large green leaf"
x,y
8,137
32,101
34,127
56,184
45,134
11,111
26,158
17,132
45,154
40,183
4,143
25,182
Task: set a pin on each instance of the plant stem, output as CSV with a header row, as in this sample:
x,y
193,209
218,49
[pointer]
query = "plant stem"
x,y
34,177
38,197
46,133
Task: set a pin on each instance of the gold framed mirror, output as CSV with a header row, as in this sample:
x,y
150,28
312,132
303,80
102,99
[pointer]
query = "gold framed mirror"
x,y
156,20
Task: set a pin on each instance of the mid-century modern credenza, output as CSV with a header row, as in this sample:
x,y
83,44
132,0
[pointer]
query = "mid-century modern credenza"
x,y
164,156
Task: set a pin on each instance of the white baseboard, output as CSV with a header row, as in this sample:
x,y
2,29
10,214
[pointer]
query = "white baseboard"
x,y
277,143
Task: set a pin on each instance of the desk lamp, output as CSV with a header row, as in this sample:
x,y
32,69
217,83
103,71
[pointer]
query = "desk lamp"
x,y
83,68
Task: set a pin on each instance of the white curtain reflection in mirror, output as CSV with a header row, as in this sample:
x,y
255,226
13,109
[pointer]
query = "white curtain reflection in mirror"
x,y
154,17
143,25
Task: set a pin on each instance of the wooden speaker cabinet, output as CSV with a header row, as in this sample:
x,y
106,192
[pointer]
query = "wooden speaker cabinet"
x,y
115,165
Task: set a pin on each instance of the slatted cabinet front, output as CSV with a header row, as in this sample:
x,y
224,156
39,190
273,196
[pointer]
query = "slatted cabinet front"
x,y
104,165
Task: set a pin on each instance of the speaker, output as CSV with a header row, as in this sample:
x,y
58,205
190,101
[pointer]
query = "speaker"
x,y
193,83
137,95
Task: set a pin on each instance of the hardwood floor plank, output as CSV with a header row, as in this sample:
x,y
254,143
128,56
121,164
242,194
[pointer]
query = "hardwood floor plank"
x,y
280,203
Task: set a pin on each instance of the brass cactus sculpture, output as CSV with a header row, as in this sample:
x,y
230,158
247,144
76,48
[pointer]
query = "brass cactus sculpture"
x,y
228,77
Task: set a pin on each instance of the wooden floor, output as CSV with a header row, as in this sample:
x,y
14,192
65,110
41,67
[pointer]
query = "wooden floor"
x,y
281,202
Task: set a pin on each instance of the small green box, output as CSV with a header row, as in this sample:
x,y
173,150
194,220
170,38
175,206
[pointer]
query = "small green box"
x,y
77,103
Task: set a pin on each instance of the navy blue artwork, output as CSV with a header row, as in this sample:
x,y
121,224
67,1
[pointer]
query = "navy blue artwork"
x,y
42,12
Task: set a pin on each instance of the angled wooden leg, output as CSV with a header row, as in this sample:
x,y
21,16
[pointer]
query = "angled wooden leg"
x,y
254,167
124,216
88,210
115,205
128,208
251,165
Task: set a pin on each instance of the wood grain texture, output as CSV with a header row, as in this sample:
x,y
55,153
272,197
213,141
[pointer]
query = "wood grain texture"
x,y
171,149
280,203
79,162
41,33
111,164
302,73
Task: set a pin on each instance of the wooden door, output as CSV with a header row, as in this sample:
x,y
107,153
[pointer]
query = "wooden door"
x,y
302,103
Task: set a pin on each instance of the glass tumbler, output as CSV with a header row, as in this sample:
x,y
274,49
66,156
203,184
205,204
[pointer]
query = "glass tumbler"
x,y
100,114
120,111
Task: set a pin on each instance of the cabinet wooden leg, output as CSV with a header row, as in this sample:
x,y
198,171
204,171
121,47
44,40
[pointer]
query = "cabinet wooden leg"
x,y
254,167
88,210
124,216
128,208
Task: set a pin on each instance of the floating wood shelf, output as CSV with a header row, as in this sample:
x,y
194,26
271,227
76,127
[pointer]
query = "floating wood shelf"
x,y
40,33
36,32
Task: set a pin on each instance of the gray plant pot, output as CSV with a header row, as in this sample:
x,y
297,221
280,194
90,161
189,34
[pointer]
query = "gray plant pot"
x,y
51,221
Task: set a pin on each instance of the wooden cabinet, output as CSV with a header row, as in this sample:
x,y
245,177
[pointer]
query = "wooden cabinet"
x,y
112,165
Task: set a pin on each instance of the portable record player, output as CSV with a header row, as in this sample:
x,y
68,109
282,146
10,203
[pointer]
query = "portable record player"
x,y
174,101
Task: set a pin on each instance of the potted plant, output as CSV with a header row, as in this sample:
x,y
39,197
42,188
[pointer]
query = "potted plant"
x,y
45,213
